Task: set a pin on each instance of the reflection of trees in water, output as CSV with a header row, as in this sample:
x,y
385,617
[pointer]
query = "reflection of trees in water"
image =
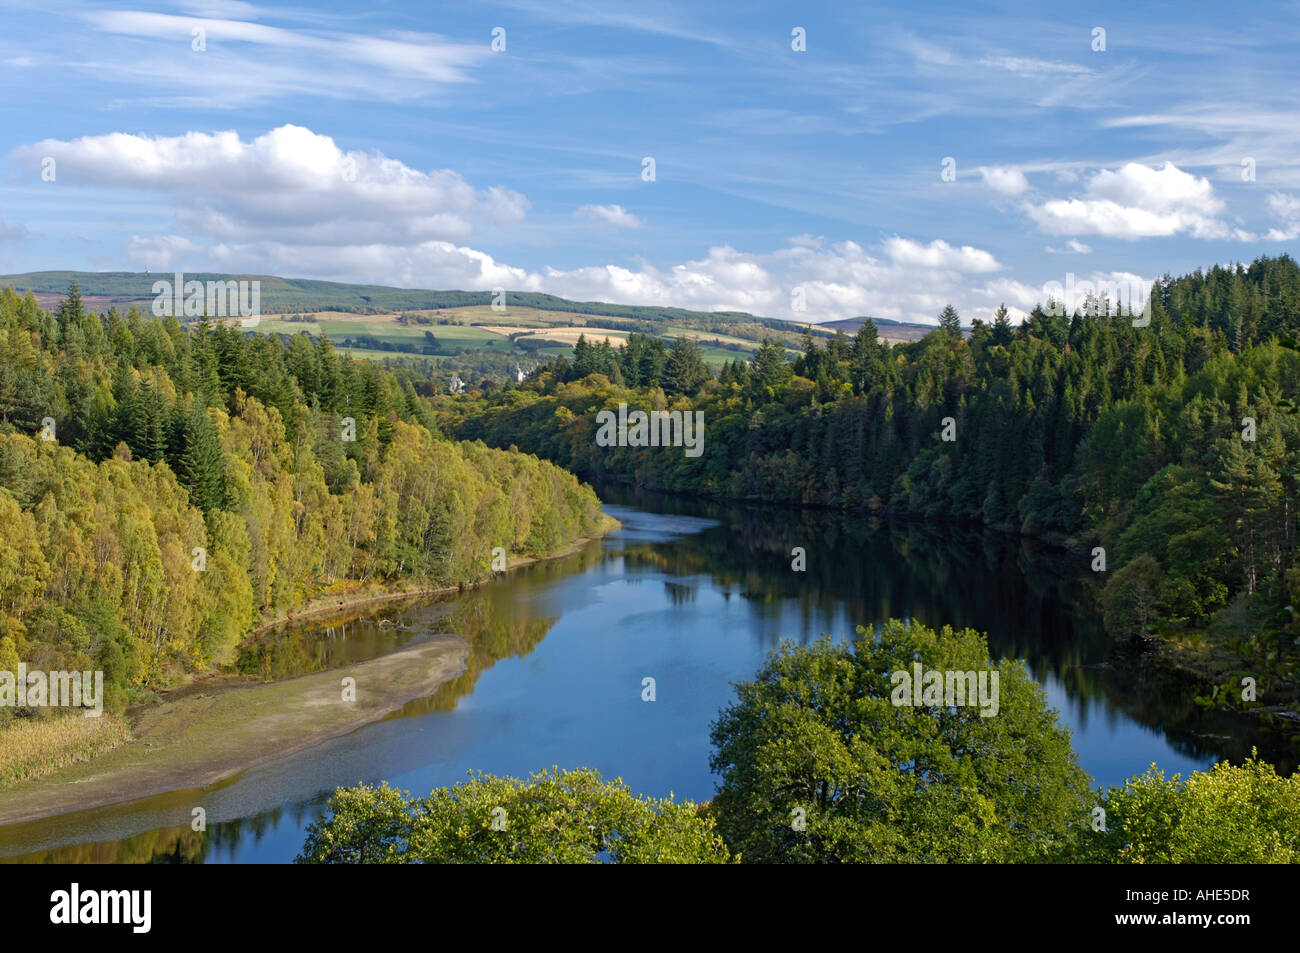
x,y
179,844
316,646
169,845
367,631
484,618
1035,601
678,594
1162,698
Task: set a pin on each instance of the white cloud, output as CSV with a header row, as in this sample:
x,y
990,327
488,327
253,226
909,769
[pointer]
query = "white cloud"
x,y
289,185
1027,66
614,215
236,9
1008,181
292,202
1137,201
939,255
903,279
1287,209
419,56
1073,245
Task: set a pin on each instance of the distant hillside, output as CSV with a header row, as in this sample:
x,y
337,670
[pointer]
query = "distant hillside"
x,y
102,290
890,330
285,295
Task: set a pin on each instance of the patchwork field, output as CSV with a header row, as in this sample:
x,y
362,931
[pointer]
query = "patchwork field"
x,y
477,328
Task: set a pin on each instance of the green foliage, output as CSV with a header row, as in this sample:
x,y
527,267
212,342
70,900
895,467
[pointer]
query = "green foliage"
x,y
1243,814
817,731
1079,426
200,482
553,817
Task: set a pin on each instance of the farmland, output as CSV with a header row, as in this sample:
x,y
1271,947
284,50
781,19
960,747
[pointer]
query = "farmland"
x,y
450,332
518,333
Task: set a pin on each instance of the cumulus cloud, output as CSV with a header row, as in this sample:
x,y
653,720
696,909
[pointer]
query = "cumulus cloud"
x,y
292,202
289,185
1007,181
939,255
614,215
1137,201
901,278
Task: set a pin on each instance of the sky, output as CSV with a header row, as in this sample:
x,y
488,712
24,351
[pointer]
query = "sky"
x,y
798,160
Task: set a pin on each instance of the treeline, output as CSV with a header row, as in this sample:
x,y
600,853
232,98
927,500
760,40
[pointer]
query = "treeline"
x,y
1174,446
164,489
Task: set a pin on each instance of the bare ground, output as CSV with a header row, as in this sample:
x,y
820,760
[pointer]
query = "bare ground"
x,y
200,739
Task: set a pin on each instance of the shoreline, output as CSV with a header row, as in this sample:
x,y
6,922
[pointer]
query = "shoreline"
x,y
213,727
199,740
324,605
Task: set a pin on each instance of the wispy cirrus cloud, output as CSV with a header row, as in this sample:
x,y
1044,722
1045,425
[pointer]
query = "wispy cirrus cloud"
x,y
220,58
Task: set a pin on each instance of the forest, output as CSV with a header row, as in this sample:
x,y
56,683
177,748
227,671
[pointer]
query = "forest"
x,y
165,490
1168,454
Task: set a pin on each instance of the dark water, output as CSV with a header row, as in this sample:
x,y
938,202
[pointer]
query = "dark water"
x,y
693,596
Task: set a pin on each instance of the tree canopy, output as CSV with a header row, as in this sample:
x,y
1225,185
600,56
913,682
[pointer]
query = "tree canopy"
x,y
817,763
552,817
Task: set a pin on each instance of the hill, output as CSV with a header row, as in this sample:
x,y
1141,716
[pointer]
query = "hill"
x,y
305,296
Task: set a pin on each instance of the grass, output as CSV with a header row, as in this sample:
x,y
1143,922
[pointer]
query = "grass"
x,y
32,747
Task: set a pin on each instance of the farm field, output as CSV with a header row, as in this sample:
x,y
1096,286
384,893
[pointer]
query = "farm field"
x,y
551,333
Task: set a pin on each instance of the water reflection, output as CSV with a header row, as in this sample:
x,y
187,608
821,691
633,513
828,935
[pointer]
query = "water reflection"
x,y
694,594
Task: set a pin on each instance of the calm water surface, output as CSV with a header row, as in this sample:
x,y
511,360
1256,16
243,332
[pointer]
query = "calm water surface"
x,y
695,596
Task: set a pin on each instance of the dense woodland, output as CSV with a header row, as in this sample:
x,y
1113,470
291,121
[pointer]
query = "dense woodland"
x,y
1173,446
200,481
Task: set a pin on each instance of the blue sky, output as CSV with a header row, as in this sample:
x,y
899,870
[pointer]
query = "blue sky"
x,y
390,143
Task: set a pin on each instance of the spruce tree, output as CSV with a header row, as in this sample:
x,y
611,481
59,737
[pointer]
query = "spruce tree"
x,y
950,321
685,371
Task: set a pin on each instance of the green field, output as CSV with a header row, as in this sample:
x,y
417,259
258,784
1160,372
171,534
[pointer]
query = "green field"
x,y
468,334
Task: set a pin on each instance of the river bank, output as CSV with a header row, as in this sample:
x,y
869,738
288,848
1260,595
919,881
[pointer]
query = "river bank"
x,y
219,724
200,739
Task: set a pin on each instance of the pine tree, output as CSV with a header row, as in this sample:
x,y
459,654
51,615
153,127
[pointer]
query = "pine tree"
x,y
200,464
583,358
153,426
127,419
949,321
1001,326
70,313
685,371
